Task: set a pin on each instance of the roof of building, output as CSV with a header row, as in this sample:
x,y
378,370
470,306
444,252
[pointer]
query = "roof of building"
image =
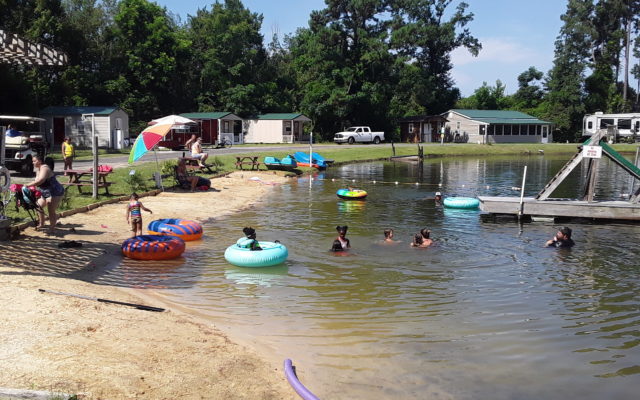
x,y
414,118
500,116
78,110
206,115
287,116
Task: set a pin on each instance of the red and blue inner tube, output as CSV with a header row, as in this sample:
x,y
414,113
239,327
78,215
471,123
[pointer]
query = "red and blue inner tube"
x,y
153,247
182,228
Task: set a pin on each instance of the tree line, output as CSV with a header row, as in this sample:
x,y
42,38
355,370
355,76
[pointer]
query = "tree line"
x,y
368,62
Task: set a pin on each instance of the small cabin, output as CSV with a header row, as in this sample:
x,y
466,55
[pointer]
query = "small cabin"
x,y
421,128
496,126
111,125
276,128
618,125
215,126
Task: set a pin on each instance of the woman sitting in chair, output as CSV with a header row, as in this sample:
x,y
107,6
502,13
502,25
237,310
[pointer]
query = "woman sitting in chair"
x,y
189,181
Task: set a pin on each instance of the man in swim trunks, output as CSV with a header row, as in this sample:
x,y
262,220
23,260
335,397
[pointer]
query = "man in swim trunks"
x,y
562,239
196,150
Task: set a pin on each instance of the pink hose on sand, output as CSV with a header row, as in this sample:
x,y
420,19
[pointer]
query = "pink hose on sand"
x,y
290,373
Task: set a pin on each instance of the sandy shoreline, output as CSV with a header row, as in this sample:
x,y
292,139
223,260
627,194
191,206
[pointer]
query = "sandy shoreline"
x,y
103,351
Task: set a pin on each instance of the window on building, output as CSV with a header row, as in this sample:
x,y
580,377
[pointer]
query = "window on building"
x,y
637,128
499,129
624,123
457,124
532,129
524,130
507,130
589,124
226,125
544,131
81,127
605,122
516,130
482,129
287,126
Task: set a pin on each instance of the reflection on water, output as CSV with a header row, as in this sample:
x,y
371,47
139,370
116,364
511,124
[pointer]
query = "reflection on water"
x,y
485,313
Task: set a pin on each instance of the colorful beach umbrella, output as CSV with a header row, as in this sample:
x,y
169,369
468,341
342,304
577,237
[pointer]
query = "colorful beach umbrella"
x,y
154,133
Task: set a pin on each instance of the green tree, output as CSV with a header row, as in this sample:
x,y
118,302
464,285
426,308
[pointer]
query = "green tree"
x,y
530,92
565,82
487,98
426,32
343,66
229,57
146,48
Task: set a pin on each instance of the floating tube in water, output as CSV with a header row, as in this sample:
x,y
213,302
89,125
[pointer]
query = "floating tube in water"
x,y
302,391
153,247
355,194
461,202
271,254
182,228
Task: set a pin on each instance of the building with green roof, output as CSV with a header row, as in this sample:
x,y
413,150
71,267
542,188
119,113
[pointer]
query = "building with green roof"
x,y
277,128
212,127
495,126
111,125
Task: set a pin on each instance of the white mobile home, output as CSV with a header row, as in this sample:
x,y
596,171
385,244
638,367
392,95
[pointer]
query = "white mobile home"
x,y
111,125
276,128
620,125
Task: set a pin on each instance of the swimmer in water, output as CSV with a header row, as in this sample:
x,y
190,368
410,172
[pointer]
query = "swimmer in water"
x,y
388,236
342,232
426,240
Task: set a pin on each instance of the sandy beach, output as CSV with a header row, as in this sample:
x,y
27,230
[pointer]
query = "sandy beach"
x,y
65,344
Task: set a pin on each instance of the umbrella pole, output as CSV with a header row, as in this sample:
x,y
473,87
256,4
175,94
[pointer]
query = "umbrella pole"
x,y
159,178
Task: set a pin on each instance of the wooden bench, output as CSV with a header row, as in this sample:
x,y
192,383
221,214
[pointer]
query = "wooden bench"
x,y
193,164
246,160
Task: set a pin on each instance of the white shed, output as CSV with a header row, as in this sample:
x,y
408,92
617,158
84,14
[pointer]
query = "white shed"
x,y
276,128
111,125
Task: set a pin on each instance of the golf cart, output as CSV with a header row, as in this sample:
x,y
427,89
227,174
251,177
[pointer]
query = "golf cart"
x,y
20,149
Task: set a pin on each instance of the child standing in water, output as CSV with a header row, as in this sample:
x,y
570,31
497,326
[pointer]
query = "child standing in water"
x,y
342,232
134,214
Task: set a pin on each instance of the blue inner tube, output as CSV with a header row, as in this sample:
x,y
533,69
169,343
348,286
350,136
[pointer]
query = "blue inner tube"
x,y
461,202
271,254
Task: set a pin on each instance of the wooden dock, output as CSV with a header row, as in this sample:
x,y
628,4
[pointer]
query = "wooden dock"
x,y
614,210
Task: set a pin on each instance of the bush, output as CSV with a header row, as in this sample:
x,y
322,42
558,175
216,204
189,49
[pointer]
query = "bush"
x,y
136,182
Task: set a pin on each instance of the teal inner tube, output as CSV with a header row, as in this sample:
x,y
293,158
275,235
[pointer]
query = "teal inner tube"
x,y
461,202
271,254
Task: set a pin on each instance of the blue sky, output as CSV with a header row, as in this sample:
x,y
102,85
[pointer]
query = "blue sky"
x,y
515,34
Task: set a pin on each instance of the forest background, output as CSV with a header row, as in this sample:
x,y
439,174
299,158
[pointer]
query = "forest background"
x,y
361,62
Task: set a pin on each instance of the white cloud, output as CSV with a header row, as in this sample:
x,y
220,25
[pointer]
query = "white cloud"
x,y
496,50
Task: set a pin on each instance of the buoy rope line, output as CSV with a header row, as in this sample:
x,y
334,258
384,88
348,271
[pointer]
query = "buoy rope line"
x,y
375,182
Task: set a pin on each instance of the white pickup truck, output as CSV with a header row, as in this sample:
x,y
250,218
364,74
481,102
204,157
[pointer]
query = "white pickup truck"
x,y
361,134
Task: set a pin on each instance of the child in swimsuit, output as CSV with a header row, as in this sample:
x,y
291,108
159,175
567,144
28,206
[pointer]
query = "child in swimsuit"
x,y
134,214
250,233
342,232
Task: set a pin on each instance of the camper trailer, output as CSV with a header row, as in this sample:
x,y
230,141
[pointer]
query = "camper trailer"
x,y
616,125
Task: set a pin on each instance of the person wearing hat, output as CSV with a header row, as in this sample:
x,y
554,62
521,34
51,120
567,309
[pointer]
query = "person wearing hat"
x,y
438,197
561,239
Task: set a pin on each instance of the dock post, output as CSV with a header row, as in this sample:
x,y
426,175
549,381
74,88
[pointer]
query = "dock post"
x,y
393,149
524,178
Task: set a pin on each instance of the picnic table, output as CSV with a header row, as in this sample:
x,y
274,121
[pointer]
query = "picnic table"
x,y
80,178
246,160
194,164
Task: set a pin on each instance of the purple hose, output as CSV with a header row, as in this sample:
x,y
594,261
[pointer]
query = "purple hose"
x,y
295,383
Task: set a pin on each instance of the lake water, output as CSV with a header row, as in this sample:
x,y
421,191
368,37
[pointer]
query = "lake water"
x,y
486,313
